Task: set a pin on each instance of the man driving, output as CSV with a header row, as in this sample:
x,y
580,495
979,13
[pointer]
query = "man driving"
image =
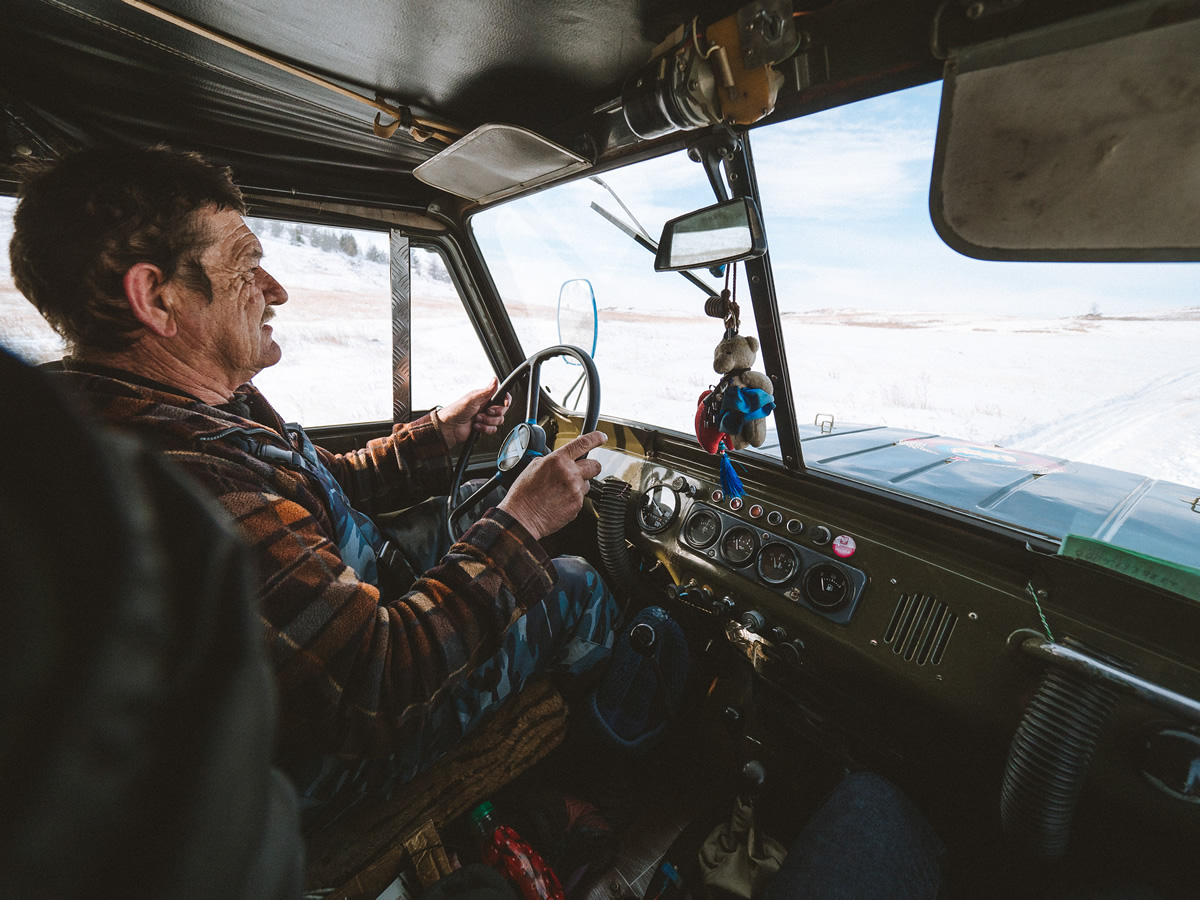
x,y
142,262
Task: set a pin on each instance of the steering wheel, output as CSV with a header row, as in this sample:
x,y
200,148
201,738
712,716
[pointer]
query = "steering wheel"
x,y
527,441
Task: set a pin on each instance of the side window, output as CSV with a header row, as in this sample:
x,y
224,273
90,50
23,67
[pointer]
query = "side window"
x,y
23,331
336,327
447,358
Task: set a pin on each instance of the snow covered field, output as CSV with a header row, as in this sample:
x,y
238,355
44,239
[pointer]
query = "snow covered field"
x,y
1122,392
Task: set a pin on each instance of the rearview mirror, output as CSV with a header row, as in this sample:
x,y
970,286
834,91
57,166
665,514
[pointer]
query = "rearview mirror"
x,y
1076,141
723,233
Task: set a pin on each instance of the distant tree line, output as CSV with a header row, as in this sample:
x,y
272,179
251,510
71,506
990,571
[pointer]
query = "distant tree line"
x,y
425,264
327,240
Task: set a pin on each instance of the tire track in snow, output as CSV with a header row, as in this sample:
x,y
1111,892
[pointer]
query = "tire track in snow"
x,y
1119,430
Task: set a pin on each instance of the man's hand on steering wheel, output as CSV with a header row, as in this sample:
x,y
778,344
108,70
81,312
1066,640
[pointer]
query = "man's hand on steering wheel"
x,y
471,412
545,509
549,494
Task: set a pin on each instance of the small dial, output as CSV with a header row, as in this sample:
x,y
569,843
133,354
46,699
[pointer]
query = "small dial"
x,y
777,563
739,545
702,529
826,585
659,506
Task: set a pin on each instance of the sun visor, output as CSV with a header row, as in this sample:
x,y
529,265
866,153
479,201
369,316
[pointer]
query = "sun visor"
x,y
1075,142
497,161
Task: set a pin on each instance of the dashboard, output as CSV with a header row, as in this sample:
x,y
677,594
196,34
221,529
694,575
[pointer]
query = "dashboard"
x,y
779,553
894,632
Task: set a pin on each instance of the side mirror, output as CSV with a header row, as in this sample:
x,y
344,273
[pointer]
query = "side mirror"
x,y
577,317
712,236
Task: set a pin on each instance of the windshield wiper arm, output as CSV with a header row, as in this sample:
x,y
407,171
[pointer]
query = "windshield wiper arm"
x,y
644,241
641,228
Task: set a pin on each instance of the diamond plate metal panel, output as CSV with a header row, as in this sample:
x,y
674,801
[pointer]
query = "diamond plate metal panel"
x,y
401,328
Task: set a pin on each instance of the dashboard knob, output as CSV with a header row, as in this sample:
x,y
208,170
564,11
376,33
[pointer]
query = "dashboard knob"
x,y
778,634
691,592
723,607
819,534
792,651
752,620
683,486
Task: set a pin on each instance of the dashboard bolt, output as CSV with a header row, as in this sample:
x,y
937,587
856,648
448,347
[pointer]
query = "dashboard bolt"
x,y
975,10
972,616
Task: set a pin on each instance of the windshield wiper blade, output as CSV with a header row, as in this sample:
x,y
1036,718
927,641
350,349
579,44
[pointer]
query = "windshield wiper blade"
x,y
644,241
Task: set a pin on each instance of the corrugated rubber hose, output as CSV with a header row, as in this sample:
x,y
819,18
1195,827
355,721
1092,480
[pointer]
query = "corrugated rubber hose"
x,y
611,510
1049,758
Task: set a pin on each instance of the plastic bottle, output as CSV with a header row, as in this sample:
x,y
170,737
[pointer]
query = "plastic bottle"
x,y
502,848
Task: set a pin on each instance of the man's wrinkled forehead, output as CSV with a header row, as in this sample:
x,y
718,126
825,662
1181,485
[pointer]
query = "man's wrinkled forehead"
x,y
228,237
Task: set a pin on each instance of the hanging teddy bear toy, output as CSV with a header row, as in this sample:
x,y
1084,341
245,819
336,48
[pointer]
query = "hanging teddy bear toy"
x,y
733,412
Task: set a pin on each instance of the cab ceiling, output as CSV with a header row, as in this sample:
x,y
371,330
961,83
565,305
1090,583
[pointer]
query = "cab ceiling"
x,y
83,72
102,72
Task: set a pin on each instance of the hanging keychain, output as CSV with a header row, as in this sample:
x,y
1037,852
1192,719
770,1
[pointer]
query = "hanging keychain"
x,y
732,413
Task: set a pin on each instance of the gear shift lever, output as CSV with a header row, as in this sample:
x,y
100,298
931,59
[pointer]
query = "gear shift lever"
x,y
737,858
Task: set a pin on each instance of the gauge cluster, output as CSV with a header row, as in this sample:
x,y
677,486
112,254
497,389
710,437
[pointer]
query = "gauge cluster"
x,y
804,576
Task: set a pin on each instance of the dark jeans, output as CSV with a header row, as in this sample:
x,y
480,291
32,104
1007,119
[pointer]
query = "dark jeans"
x,y
569,631
868,842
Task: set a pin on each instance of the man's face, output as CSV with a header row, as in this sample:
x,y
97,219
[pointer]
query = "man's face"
x,y
229,339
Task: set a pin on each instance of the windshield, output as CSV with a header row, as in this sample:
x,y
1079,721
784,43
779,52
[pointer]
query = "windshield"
x,y
653,342
883,323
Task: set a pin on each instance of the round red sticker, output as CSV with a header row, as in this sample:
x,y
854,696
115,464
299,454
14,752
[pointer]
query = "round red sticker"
x,y
843,545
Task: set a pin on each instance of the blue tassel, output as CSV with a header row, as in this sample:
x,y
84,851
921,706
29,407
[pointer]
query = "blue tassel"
x,y
730,483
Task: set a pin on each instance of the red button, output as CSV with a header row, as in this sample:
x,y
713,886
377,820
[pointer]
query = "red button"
x,y
718,496
735,503
843,545
756,511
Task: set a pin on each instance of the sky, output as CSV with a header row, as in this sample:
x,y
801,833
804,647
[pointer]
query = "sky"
x,y
846,209
846,196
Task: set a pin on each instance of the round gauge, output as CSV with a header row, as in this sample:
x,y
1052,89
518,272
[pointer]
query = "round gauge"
x,y
514,447
826,585
777,563
658,509
702,528
739,545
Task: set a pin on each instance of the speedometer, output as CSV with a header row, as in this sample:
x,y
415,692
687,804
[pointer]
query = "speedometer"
x,y
659,506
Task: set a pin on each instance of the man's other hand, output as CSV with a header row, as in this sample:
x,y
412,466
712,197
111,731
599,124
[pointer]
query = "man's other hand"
x,y
549,494
470,412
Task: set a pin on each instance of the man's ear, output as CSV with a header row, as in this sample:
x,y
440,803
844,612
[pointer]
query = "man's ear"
x,y
146,291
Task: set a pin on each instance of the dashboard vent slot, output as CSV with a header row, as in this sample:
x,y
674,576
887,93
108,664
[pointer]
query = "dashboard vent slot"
x,y
920,629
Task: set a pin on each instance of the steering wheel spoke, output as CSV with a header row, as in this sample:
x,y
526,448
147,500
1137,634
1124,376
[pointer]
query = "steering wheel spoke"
x,y
476,496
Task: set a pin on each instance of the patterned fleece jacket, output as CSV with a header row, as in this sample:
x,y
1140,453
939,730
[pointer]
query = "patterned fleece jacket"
x,y
356,672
